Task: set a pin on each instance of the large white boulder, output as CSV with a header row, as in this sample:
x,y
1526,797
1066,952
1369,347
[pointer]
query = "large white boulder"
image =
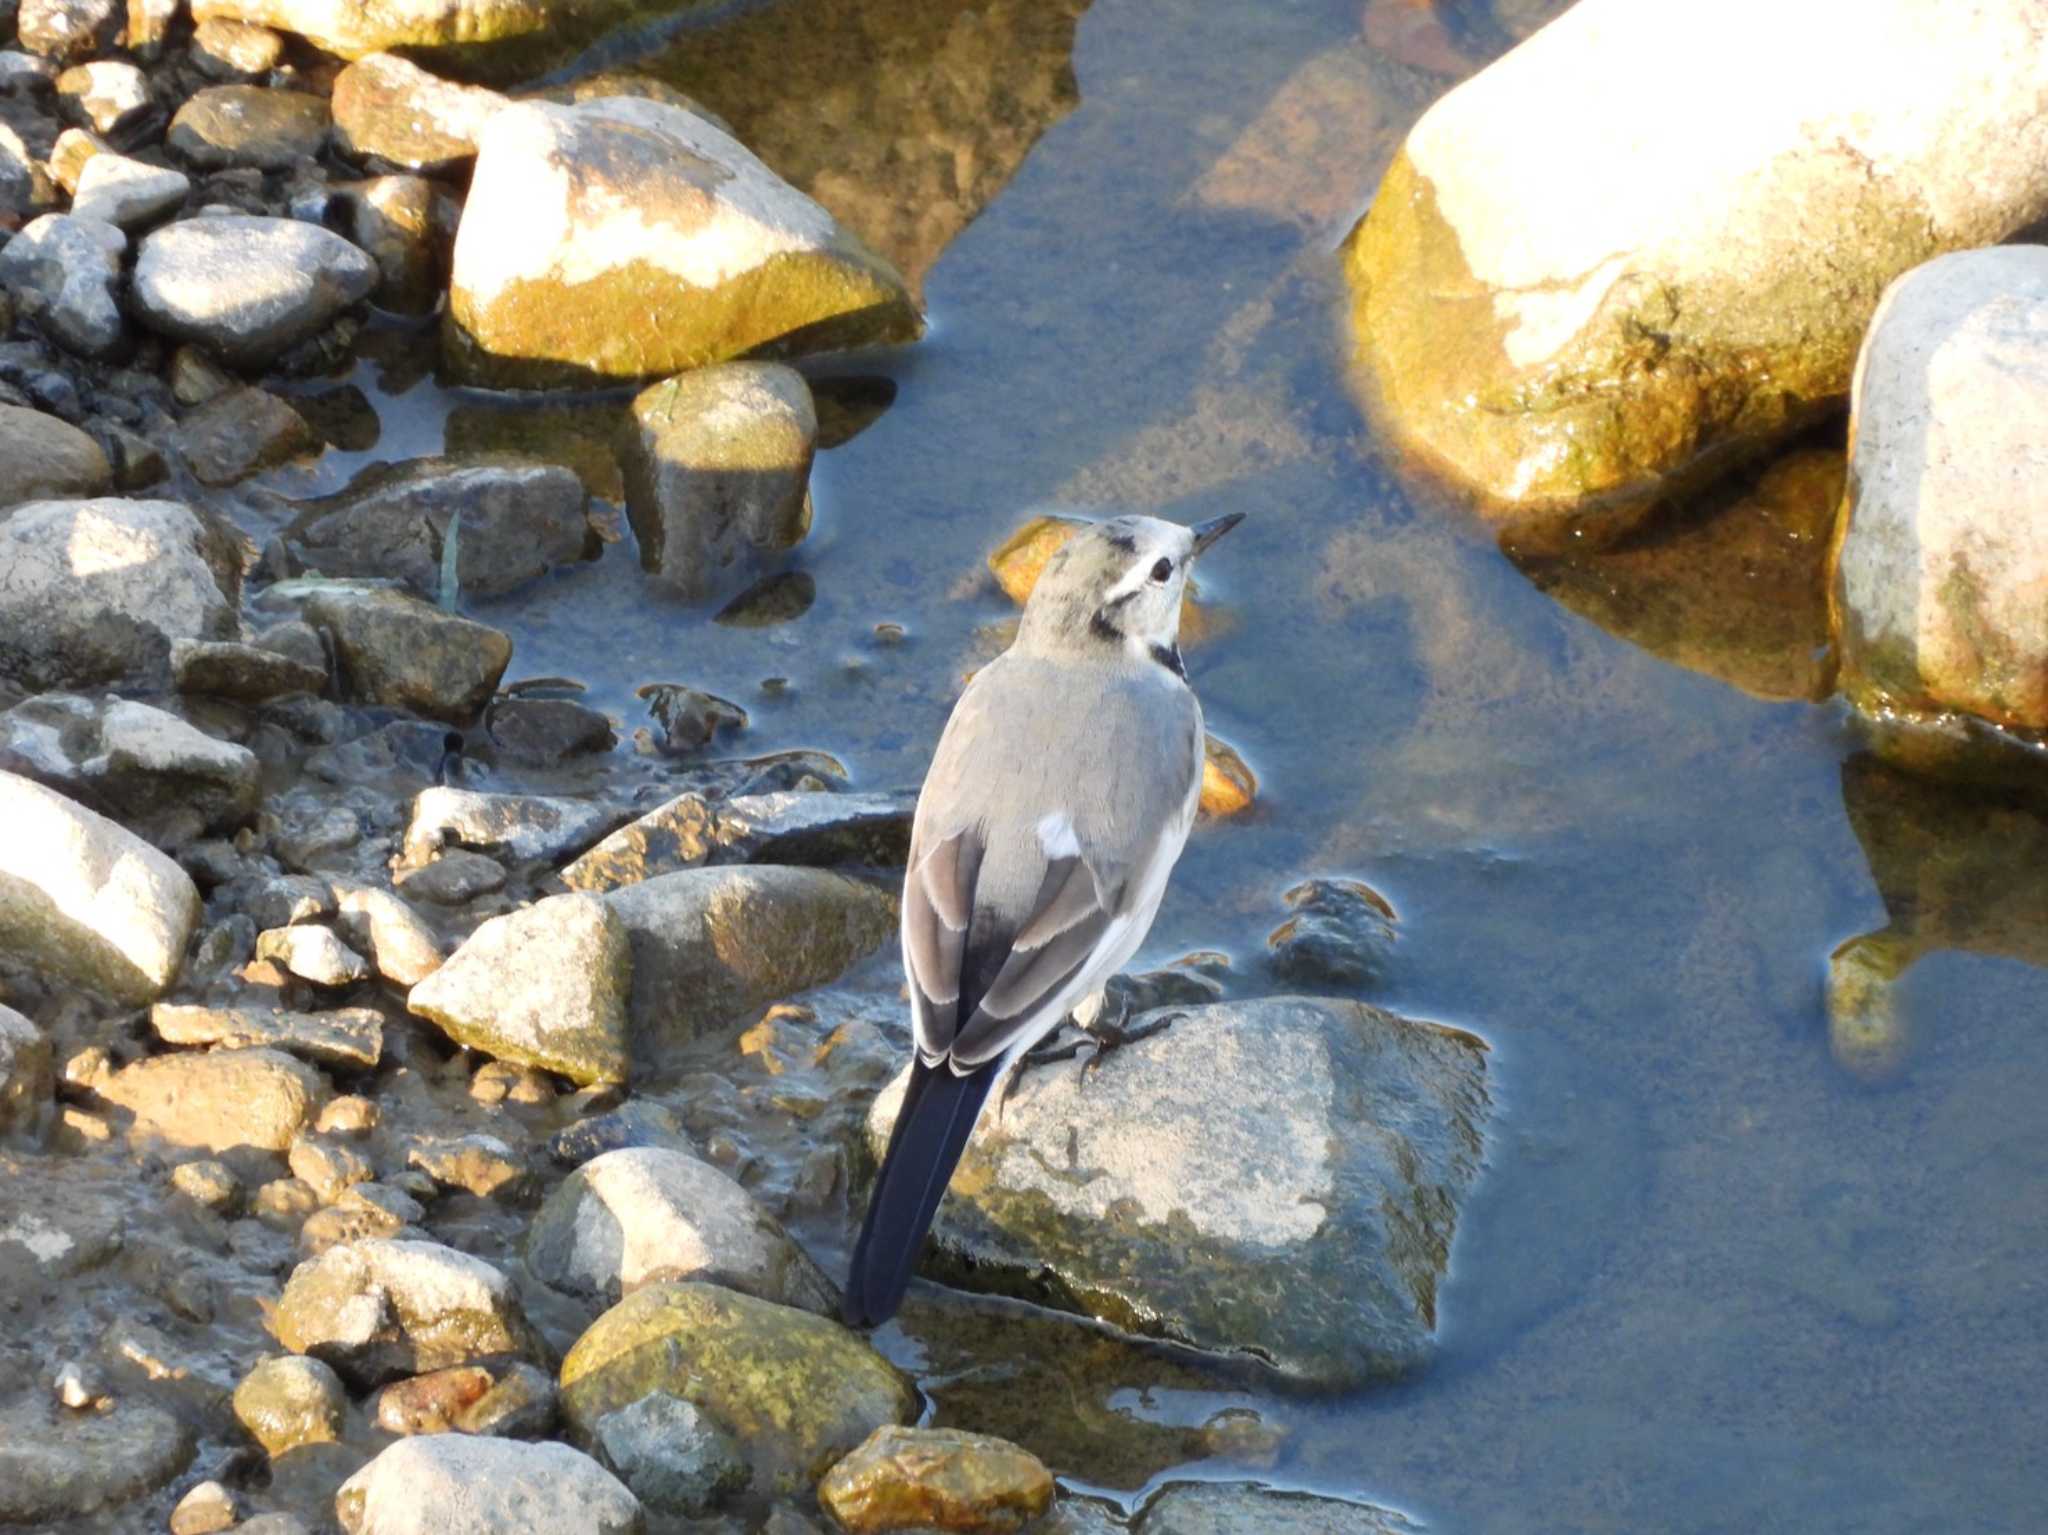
x,y
624,238
1643,242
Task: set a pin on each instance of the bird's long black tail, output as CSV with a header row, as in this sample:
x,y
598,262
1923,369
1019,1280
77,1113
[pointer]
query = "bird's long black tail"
x,y
939,1110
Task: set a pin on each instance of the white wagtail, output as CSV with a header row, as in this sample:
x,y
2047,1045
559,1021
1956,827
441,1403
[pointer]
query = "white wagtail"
x,y
1058,801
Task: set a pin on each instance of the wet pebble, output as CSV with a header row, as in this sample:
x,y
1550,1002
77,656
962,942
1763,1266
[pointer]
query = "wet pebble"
x,y
942,1478
240,433
479,1164
313,954
206,1510
291,1401
1337,939
639,1123
628,1218
380,1309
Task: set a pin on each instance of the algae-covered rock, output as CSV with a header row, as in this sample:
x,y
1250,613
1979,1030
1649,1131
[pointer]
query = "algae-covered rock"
x,y
632,1217
1302,1219
290,1401
624,238
1580,287
1942,548
390,108
710,944
799,1392
453,1484
717,471
936,1478
543,987
379,1309
398,651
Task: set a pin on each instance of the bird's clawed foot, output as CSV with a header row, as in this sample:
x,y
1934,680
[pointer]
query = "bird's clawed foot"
x,y
1115,1035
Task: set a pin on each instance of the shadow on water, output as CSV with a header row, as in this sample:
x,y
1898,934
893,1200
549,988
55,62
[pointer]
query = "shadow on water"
x,y
1711,1281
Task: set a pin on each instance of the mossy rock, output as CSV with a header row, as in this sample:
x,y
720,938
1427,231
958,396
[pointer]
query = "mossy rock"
x,y
798,1392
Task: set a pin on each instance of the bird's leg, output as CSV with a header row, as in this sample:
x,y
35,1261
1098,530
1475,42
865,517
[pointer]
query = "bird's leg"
x,y
1114,1036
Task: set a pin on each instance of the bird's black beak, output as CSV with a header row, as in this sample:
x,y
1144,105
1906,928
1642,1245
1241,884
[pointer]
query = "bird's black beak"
x,y
1206,533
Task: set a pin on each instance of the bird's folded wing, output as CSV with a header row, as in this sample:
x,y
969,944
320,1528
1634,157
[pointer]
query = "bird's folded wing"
x,y
982,982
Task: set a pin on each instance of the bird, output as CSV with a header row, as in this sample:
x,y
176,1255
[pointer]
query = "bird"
x,y
1057,803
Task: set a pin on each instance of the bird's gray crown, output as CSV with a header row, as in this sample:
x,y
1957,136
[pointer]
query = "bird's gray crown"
x,y
1113,591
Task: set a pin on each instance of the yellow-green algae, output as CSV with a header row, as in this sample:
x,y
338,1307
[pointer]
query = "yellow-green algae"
x,y
1660,391
800,1392
640,321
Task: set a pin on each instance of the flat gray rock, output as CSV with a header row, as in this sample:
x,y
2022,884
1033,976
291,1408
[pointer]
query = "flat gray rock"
x,y
517,828
1278,1180
1221,1509
349,1036
456,1484
136,760
57,1465
249,288
808,829
225,126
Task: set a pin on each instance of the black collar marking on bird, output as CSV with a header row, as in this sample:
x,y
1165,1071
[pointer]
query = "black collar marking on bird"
x,y
1168,656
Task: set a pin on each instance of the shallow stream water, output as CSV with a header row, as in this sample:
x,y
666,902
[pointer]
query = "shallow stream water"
x,y
1712,1281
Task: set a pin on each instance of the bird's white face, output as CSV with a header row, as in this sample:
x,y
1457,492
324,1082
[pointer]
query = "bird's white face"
x,y
1142,582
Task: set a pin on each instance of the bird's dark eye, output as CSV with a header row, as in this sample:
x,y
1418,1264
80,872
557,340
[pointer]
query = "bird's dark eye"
x,y
1161,571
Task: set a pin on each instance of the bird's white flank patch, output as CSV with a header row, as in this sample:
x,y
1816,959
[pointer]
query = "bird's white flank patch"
x,y
1056,836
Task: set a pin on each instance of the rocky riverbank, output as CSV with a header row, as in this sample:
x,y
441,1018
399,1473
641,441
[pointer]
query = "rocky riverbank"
x,y
428,1101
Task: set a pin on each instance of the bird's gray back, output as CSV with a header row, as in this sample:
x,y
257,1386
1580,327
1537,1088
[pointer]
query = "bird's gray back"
x,y
1114,748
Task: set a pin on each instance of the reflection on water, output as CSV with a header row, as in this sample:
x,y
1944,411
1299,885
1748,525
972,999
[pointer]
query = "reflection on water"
x,y
904,117
1710,1282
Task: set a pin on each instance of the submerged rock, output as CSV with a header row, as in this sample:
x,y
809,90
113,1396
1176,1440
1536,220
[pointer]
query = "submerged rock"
x,y
629,1218
710,944
1570,354
798,1392
98,589
718,469
1337,939
813,830
85,901
936,1478
1302,1220
247,288
543,987
518,518
379,1309
629,239
63,273
221,1100
395,650
41,456
450,1484
1212,1509
1942,550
